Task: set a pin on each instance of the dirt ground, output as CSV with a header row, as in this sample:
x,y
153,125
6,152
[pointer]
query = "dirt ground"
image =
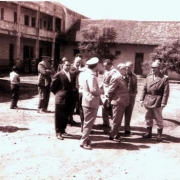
x,y
29,149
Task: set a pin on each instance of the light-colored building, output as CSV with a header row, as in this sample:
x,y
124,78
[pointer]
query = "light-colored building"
x,y
135,39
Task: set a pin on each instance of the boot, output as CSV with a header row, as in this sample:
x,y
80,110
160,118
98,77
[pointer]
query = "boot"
x,y
148,135
159,133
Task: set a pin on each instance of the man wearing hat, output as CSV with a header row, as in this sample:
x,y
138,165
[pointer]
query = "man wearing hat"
x,y
44,81
154,98
90,100
119,99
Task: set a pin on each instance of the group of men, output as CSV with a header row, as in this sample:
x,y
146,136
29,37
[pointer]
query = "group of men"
x,y
77,86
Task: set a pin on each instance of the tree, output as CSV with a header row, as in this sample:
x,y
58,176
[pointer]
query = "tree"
x,y
96,40
169,54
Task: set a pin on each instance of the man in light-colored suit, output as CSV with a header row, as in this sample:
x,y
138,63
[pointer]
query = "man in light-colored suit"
x,y
90,100
154,97
119,98
106,108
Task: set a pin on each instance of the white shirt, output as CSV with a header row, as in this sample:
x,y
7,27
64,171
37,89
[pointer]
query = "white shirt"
x,y
14,78
68,75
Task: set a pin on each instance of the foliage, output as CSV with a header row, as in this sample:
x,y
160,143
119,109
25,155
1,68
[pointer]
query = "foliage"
x,y
169,54
97,40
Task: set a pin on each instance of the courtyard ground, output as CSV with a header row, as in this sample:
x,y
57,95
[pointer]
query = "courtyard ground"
x,y
29,149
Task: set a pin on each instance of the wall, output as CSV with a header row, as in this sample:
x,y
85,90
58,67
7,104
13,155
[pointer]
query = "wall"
x,y
4,49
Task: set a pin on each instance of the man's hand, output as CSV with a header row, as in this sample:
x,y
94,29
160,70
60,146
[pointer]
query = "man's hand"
x,y
163,105
142,105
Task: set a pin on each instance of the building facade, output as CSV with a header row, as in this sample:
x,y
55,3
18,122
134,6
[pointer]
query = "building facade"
x,y
30,29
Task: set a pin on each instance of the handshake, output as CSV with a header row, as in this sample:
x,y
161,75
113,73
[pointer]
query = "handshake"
x,y
105,101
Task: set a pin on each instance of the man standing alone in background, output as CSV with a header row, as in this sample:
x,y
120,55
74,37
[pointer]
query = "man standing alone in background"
x,y
44,81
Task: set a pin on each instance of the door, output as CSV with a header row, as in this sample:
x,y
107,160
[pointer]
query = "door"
x,y
138,63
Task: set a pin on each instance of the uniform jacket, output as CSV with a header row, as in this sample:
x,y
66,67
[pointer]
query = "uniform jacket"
x,y
44,78
118,91
90,89
155,92
63,88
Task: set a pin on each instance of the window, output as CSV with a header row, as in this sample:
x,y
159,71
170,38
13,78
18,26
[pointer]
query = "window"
x,y
117,53
45,24
15,17
58,25
26,20
40,26
2,13
28,52
49,26
33,22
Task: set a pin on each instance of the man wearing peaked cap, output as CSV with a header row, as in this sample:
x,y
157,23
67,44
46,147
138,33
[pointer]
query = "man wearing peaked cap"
x,y
156,64
92,61
90,100
44,81
154,97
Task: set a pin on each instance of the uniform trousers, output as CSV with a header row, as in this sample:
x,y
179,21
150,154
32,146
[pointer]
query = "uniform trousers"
x,y
80,109
15,95
154,113
44,94
89,119
117,115
128,113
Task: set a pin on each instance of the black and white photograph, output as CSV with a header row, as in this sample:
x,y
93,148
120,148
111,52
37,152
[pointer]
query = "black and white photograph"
x,y
90,90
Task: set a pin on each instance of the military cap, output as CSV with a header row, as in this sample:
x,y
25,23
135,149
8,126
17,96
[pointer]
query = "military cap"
x,y
155,64
121,66
92,61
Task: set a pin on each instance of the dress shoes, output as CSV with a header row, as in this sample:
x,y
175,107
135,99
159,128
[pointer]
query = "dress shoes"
x,y
86,146
59,136
71,122
65,134
116,139
127,132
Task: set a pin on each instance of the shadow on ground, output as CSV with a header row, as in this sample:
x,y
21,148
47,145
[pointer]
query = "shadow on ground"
x,y
11,129
27,91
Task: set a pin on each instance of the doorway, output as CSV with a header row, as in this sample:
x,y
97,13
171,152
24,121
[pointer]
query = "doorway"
x,y
138,63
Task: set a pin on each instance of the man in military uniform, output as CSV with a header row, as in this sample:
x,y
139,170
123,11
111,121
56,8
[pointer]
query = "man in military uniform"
x,y
154,98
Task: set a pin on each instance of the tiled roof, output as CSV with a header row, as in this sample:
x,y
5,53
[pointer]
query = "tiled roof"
x,y
137,32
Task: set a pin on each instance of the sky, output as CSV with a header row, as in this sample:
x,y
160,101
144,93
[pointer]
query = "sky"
x,y
145,10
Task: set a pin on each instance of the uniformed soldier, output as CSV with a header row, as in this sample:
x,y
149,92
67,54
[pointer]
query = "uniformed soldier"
x,y
154,98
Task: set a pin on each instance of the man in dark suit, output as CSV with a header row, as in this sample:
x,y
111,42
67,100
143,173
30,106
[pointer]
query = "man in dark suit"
x,y
75,69
131,80
63,86
154,97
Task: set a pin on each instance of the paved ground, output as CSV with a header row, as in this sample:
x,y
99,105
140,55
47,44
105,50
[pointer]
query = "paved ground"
x,y
30,151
